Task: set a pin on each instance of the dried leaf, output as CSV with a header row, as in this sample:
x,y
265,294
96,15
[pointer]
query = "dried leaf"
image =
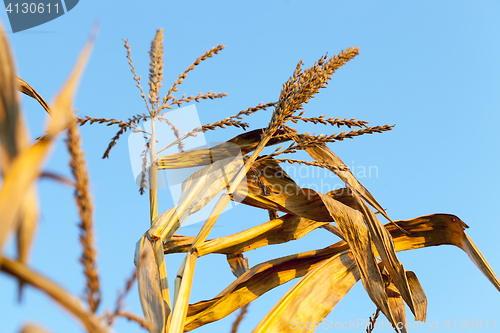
x,y
241,144
324,154
419,301
281,230
150,295
238,264
313,297
182,301
357,235
282,193
430,230
28,90
385,247
397,305
14,140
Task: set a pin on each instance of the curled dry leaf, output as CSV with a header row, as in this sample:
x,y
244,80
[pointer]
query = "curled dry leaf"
x,y
385,247
357,235
325,155
150,295
238,264
28,90
277,231
241,144
313,297
425,231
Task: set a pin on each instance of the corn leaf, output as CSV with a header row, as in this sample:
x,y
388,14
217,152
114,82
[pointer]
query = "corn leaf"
x,y
281,230
28,90
424,231
14,140
26,166
241,144
313,297
150,295
385,247
324,154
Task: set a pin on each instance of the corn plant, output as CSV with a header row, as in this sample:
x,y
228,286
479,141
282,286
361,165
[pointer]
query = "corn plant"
x,y
366,249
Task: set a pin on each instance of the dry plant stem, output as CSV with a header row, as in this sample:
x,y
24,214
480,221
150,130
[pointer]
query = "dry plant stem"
x,y
238,320
180,307
132,317
225,122
108,122
61,296
370,327
85,209
153,203
178,279
179,140
312,163
58,178
121,296
182,302
162,271
321,139
153,208
155,79
204,128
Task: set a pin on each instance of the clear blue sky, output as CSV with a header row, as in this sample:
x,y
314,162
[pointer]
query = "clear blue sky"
x,y
432,68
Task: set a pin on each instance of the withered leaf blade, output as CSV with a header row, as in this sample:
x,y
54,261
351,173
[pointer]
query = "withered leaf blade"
x,y
397,305
238,264
313,297
419,298
385,246
26,166
324,154
28,90
281,230
440,229
425,231
241,144
269,187
14,140
358,237
150,294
